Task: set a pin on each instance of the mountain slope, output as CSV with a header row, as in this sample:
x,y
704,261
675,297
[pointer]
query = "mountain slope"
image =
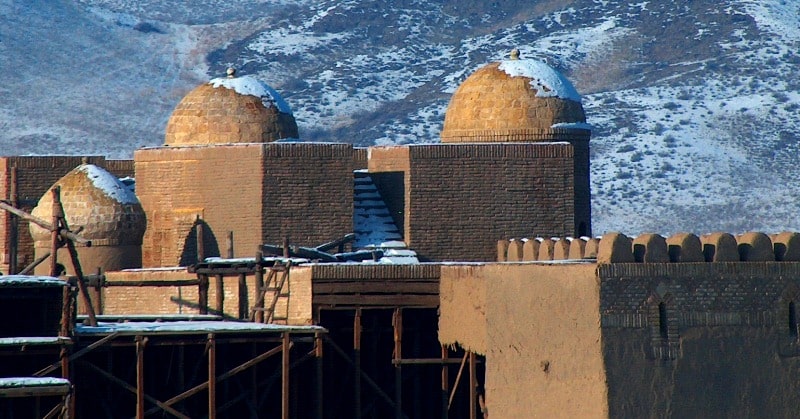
x,y
694,103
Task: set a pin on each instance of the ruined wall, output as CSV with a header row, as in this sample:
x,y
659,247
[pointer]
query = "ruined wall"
x,y
701,339
307,192
469,196
219,184
35,175
538,326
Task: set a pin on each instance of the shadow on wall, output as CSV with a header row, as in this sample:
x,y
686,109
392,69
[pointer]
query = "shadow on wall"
x,y
189,256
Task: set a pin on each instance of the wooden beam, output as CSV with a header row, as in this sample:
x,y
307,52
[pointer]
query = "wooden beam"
x,y
201,255
473,387
212,376
357,360
259,278
55,238
76,355
202,293
220,286
28,269
445,380
336,243
286,370
320,385
397,323
458,379
13,228
140,343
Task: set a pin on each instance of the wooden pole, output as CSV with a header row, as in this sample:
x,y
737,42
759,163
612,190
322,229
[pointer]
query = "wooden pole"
x,y
398,355
220,286
445,382
212,376
203,293
243,303
13,228
357,360
285,376
97,292
55,239
320,384
286,247
140,343
473,387
201,255
230,245
259,278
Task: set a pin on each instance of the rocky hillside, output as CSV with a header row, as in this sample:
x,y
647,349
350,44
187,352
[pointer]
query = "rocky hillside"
x,y
694,103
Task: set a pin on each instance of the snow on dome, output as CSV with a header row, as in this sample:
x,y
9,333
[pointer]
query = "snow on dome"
x,y
109,184
545,79
248,85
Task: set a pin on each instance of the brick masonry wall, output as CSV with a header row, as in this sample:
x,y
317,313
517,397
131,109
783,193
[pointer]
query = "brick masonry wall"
x,y
726,349
35,175
463,198
307,192
220,184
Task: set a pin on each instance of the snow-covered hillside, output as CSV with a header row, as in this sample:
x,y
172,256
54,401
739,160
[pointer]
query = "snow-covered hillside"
x,y
694,103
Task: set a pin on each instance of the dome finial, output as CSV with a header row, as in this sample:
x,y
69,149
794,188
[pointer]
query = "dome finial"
x,y
231,72
514,54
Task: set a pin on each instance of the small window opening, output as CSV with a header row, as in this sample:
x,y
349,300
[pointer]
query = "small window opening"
x,y
792,319
582,229
662,321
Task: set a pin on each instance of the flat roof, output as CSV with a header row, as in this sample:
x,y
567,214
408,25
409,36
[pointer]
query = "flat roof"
x,y
200,327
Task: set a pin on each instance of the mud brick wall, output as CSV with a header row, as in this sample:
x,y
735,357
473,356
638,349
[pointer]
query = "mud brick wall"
x,y
307,192
463,198
219,184
35,175
726,348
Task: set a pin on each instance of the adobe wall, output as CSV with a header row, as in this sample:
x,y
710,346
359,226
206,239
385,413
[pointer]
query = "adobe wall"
x,y
307,193
721,346
538,326
218,184
463,198
35,175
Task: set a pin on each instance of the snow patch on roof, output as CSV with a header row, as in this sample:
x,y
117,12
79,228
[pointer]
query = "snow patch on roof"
x,y
31,281
547,81
248,85
109,184
15,382
188,327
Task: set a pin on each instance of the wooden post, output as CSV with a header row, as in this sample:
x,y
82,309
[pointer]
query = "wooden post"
x,y
201,248
473,384
320,384
220,295
243,300
398,355
140,343
97,292
259,277
445,382
286,247
203,293
13,228
211,344
285,368
230,245
55,239
357,360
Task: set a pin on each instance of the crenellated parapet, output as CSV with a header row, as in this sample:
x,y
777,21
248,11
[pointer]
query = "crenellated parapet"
x,y
654,248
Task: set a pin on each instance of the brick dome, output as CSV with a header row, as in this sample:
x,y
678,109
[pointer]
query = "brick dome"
x,y
96,200
515,100
230,110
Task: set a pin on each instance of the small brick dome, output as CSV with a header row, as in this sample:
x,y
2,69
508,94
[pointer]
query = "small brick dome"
x,y
515,100
230,110
96,200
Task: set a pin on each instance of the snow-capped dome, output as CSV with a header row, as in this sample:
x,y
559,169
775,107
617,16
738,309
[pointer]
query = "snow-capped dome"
x,y
230,110
93,198
514,100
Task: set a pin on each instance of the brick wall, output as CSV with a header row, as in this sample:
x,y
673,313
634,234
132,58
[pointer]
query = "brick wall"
x,y
462,198
219,184
700,339
307,192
